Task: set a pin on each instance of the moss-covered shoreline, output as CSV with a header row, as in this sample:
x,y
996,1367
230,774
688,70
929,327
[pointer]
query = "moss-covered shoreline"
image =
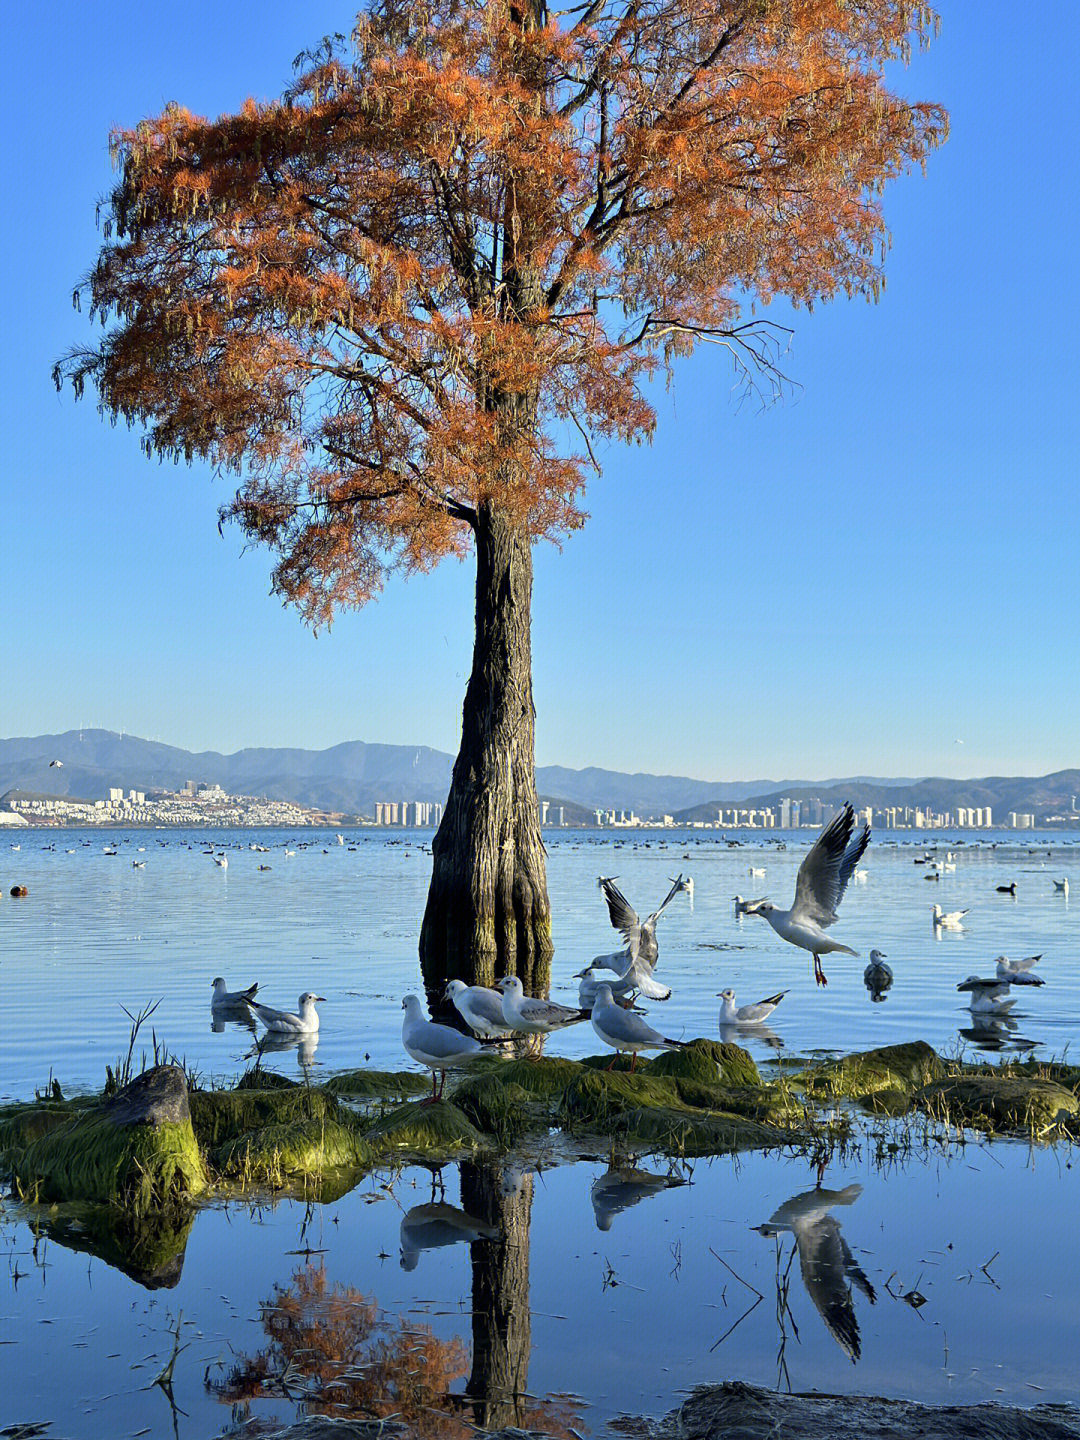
x,y
708,1099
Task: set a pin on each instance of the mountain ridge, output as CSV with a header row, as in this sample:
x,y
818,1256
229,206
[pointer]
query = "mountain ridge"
x,y
352,775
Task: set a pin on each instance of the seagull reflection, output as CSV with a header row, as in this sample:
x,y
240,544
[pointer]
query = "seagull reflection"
x,y
740,1034
995,1032
238,1015
429,1227
275,1040
825,1262
621,1186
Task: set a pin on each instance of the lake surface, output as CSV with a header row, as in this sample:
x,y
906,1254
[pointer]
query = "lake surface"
x,y
958,1264
96,933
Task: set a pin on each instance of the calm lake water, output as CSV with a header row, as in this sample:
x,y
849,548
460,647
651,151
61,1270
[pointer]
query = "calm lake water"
x,y
627,1307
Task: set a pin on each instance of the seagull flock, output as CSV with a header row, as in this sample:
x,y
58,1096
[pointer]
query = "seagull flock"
x,y
611,984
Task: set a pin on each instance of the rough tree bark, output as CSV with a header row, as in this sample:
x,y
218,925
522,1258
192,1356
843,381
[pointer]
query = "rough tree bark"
x,y
487,911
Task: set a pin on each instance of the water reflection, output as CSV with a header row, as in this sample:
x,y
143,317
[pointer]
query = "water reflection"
x,y
995,1032
149,1249
430,1227
622,1186
740,1034
274,1042
827,1266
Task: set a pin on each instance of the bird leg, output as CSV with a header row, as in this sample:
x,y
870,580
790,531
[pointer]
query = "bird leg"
x,y
613,1059
819,974
633,1061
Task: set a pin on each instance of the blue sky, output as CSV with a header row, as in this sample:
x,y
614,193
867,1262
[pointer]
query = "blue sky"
x,y
852,581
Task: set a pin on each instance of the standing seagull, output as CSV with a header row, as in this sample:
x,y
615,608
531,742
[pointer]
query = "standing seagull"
x,y
479,1007
640,935
534,1017
439,1047
625,1030
819,888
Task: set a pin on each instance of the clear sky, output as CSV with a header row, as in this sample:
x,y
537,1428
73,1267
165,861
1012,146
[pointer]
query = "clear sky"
x,y
853,581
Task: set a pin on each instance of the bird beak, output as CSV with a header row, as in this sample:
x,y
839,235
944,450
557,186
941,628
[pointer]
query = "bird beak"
x,y
321,999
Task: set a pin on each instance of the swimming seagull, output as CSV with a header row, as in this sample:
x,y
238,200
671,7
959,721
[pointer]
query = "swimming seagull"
x,y
640,935
222,997
530,1016
877,977
624,1030
1016,972
1062,887
746,1014
479,1007
951,920
819,888
740,905
439,1047
988,997
284,1021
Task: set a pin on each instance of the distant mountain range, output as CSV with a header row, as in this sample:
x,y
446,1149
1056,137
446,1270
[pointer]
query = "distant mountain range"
x,y
352,776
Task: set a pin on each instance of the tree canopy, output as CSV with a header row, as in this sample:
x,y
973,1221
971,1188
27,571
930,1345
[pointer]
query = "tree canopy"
x,y
471,229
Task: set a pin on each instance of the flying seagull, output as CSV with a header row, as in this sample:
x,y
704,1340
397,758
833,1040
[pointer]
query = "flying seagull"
x,y
819,888
640,935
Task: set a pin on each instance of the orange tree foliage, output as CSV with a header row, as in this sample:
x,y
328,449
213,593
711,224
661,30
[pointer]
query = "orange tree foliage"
x,y
386,298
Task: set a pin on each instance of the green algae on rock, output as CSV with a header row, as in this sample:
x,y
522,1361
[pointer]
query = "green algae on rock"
x,y
299,1147
136,1148
1000,1101
424,1129
222,1115
892,1067
712,1062
376,1084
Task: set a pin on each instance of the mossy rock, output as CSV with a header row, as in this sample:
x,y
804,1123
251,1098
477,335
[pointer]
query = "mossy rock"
x,y
497,1108
544,1078
890,1101
260,1079
136,1148
673,1131
1000,1102
766,1102
425,1130
303,1147
26,1121
222,1115
595,1097
711,1062
892,1067
377,1084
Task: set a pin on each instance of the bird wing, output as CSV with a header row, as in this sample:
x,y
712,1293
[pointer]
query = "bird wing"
x,y
548,1012
649,923
623,915
821,1263
824,874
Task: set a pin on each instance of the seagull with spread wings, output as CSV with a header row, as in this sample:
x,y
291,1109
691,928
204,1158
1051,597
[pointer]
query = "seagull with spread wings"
x,y
640,935
819,888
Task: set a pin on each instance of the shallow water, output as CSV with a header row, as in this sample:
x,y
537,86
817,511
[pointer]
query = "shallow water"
x,y
626,1309
96,933
623,1320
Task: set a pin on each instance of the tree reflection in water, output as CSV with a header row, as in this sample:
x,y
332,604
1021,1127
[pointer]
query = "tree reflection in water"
x,y
330,1345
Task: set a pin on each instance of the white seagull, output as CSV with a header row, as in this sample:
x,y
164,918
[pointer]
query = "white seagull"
x,y
222,996
740,905
640,935
1017,972
479,1007
624,1030
746,1014
284,1021
530,1016
636,979
222,860
1062,887
988,997
439,1047
949,920
819,888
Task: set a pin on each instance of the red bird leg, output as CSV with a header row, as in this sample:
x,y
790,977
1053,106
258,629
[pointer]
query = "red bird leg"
x,y
819,974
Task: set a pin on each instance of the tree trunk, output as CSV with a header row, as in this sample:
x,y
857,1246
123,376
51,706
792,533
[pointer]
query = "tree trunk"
x,y
487,911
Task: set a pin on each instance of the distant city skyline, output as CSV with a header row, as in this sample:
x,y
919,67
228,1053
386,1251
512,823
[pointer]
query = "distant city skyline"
x,y
867,578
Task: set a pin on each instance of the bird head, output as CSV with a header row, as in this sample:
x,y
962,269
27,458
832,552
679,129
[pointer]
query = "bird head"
x,y
509,984
309,997
728,994
758,907
454,987
878,955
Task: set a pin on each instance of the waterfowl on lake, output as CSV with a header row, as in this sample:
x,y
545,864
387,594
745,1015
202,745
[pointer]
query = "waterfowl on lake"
x,y
439,1047
877,977
624,1030
988,997
1018,972
951,920
529,1016
479,1007
306,1022
755,1014
223,996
